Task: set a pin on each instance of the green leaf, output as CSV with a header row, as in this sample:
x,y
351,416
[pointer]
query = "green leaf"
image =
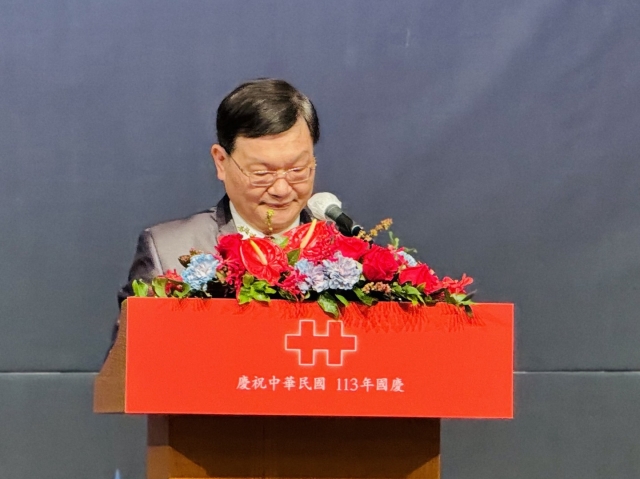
x,y
286,295
257,295
259,285
468,297
140,288
293,256
411,290
244,296
342,299
364,297
460,299
281,241
159,287
247,280
329,304
262,287
395,242
186,289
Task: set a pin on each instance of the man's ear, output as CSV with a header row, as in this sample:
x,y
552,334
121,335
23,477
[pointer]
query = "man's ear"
x,y
219,156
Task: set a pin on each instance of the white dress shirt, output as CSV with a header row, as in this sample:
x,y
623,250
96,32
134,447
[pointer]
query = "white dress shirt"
x,y
246,230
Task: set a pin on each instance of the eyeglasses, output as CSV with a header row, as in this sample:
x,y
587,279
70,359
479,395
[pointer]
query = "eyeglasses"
x,y
268,178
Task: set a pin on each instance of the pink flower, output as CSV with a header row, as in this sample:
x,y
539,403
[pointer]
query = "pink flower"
x,y
456,286
172,275
291,284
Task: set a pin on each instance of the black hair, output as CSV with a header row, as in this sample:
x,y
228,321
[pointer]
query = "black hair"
x,y
261,107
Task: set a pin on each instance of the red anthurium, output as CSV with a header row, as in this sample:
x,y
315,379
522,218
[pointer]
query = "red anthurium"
x,y
314,240
263,259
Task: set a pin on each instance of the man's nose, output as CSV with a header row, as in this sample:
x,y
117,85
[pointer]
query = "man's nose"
x,y
280,188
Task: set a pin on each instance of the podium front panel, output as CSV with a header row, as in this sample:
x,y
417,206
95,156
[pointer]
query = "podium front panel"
x,y
216,357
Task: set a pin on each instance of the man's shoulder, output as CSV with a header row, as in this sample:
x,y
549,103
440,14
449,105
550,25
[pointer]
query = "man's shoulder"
x,y
203,220
172,239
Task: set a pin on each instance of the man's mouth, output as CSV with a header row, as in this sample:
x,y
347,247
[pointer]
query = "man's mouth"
x,y
278,206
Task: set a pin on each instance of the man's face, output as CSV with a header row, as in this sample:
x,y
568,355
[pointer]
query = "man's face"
x,y
290,149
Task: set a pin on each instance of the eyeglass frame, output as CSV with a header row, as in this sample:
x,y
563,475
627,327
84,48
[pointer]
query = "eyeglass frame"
x,y
277,174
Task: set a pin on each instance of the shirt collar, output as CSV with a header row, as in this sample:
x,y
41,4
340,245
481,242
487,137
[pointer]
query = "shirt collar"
x,y
246,230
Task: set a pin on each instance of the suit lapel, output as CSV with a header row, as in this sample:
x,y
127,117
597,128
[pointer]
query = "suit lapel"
x,y
305,215
225,222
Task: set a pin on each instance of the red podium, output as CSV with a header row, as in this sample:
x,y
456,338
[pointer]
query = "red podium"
x,y
283,390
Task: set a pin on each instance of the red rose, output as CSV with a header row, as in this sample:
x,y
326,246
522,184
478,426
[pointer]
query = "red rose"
x,y
263,259
378,264
229,247
420,274
456,286
351,247
314,240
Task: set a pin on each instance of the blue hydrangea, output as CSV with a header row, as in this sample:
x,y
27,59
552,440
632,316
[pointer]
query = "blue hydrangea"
x,y
315,277
342,273
201,270
411,261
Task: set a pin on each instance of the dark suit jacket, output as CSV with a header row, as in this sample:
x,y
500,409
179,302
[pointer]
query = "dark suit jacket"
x,y
160,246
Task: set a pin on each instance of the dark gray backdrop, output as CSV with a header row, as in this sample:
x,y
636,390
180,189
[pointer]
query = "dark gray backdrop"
x,y
501,136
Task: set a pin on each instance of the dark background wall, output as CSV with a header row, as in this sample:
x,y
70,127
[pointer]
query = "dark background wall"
x,y
501,136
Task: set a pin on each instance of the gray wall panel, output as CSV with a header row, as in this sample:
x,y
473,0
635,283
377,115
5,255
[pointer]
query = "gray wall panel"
x,y
582,425
501,136
567,425
48,429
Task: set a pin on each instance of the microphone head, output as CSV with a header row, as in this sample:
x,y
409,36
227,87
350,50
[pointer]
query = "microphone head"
x,y
320,202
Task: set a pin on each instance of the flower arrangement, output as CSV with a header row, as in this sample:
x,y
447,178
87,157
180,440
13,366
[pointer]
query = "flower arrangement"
x,y
312,262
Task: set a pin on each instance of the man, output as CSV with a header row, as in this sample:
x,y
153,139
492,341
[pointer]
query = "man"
x,y
264,156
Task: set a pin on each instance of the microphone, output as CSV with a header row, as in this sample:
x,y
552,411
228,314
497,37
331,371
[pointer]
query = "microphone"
x,y
326,206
